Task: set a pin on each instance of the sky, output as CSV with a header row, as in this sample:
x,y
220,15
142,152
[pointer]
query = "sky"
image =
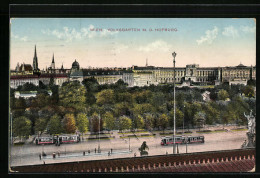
x,y
94,42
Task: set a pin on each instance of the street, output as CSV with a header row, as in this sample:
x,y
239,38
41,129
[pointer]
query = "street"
x,y
28,154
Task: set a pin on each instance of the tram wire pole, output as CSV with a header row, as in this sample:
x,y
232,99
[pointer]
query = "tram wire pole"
x,y
99,134
174,127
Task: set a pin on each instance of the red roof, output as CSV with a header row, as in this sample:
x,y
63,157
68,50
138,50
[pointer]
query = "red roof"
x,y
242,160
53,75
13,77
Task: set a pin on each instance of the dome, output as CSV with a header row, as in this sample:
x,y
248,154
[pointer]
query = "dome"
x,y
241,65
75,65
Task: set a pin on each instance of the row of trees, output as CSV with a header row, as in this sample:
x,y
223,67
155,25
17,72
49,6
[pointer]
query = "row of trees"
x,y
75,107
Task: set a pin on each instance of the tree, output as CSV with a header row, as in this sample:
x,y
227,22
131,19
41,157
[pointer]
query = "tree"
x,y
142,97
90,84
163,121
21,127
105,97
124,97
82,123
72,94
142,108
122,109
28,87
54,125
158,99
120,85
200,118
109,121
96,122
40,125
69,123
249,91
222,95
179,118
138,122
212,114
189,112
41,100
124,123
148,121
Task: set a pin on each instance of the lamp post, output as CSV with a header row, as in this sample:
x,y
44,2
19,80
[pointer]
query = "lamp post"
x,y
183,123
99,134
174,126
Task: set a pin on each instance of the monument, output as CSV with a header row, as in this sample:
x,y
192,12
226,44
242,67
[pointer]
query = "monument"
x,y
250,142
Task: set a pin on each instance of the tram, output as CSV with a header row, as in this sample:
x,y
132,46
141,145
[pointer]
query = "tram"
x,y
57,139
168,140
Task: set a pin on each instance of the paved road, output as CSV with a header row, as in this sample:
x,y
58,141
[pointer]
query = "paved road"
x,y
29,154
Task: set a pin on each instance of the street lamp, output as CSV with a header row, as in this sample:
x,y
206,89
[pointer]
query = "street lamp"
x,y
174,129
99,134
183,123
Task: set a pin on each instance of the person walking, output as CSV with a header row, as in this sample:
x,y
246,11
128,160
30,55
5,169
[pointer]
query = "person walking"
x,y
95,150
40,156
111,150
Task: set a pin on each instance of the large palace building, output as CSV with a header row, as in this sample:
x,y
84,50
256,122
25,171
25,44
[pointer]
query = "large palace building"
x,y
134,76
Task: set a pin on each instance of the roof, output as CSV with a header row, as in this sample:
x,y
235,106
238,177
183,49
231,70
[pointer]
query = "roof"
x,y
13,77
101,72
54,75
241,160
27,67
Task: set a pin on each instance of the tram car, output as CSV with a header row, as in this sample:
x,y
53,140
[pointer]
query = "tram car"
x,y
168,140
57,139
68,139
44,140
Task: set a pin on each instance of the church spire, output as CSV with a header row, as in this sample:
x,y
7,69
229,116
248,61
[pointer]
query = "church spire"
x,y
53,58
35,61
53,63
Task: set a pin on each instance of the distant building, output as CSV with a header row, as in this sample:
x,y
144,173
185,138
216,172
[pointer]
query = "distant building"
x,y
18,80
192,74
27,94
76,73
103,76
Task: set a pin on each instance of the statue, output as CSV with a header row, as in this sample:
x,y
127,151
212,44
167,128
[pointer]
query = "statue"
x,y
142,149
250,142
251,122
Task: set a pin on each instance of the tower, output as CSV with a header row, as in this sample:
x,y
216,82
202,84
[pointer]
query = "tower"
x,y
35,61
146,62
53,63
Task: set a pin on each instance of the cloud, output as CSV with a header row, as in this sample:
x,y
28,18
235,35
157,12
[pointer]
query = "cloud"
x,y
248,29
69,34
210,36
230,31
119,48
25,38
156,45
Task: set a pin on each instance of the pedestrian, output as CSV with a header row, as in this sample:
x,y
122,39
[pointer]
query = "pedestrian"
x,y
88,151
111,150
83,153
40,156
59,153
108,153
53,155
166,152
95,150
43,162
135,155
